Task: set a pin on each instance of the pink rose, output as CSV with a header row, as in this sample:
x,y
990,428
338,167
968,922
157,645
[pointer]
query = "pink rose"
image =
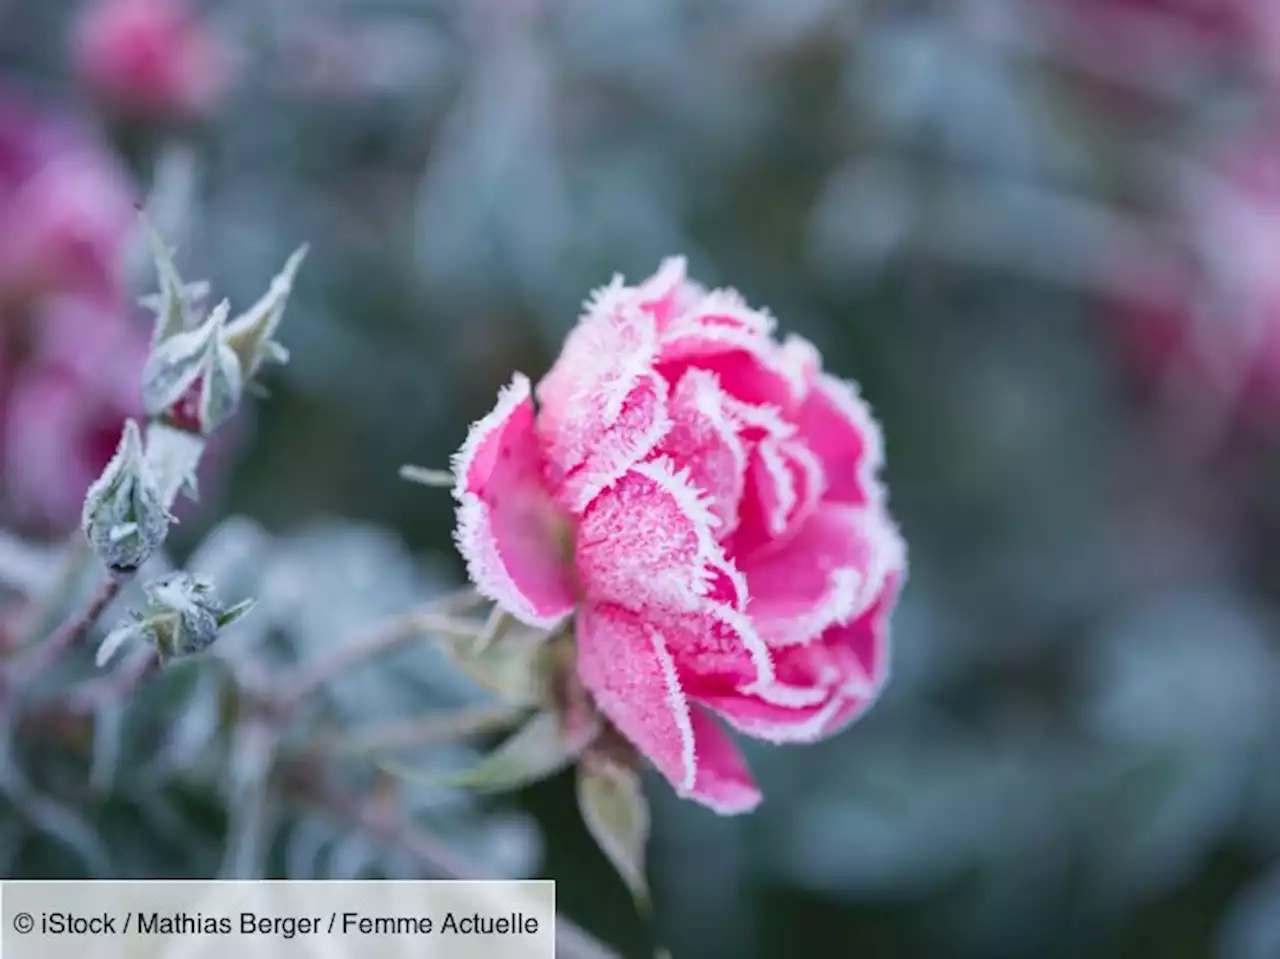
x,y
1149,39
66,208
65,407
1213,322
149,58
704,500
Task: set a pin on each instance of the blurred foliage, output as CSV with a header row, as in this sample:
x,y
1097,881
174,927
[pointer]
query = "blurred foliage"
x,y
1076,754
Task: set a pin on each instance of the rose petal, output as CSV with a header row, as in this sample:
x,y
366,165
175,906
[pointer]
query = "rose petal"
x,y
827,573
603,408
756,423
866,639
843,674
723,782
508,527
704,439
628,667
59,436
648,544
836,424
726,337
717,646
802,360
669,292
785,484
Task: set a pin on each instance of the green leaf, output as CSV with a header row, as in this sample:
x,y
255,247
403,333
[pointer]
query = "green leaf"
x,y
249,334
171,303
616,812
537,750
517,670
235,613
174,364
437,479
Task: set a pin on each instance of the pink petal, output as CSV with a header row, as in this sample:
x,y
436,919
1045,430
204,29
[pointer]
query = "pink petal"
x,y
837,425
785,485
802,361
669,292
628,667
866,639
509,531
603,408
717,646
756,717
648,543
704,439
756,423
58,437
827,573
844,673
726,337
723,782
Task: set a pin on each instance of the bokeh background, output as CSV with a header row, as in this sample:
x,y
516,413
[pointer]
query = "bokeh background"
x,y
1044,236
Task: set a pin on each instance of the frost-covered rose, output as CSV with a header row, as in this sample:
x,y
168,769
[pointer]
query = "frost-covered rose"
x,y
70,355
704,501
1151,41
1212,324
149,58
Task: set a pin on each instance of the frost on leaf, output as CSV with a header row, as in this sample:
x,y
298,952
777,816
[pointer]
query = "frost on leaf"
x,y
537,750
250,334
125,518
613,805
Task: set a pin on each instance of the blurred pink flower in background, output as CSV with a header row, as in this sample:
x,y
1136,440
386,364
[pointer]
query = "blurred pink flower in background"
x,y
65,409
70,353
150,59
66,208
1154,37
706,501
1214,325
1266,34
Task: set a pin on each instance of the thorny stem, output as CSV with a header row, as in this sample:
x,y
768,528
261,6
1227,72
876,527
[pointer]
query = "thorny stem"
x,y
72,632
572,941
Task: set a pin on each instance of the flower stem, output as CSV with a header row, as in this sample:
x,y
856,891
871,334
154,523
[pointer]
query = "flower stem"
x,y
43,619
421,730
383,638
572,941
72,632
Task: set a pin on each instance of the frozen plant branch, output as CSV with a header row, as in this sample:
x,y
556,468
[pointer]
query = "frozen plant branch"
x,y
72,632
380,821
199,368
422,730
433,619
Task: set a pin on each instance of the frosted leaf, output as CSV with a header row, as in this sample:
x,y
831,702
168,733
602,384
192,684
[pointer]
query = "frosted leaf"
x,y
173,303
176,363
537,750
250,334
124,518
616,812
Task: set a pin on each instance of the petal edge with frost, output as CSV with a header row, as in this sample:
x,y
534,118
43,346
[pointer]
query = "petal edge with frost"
x,y
508,527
